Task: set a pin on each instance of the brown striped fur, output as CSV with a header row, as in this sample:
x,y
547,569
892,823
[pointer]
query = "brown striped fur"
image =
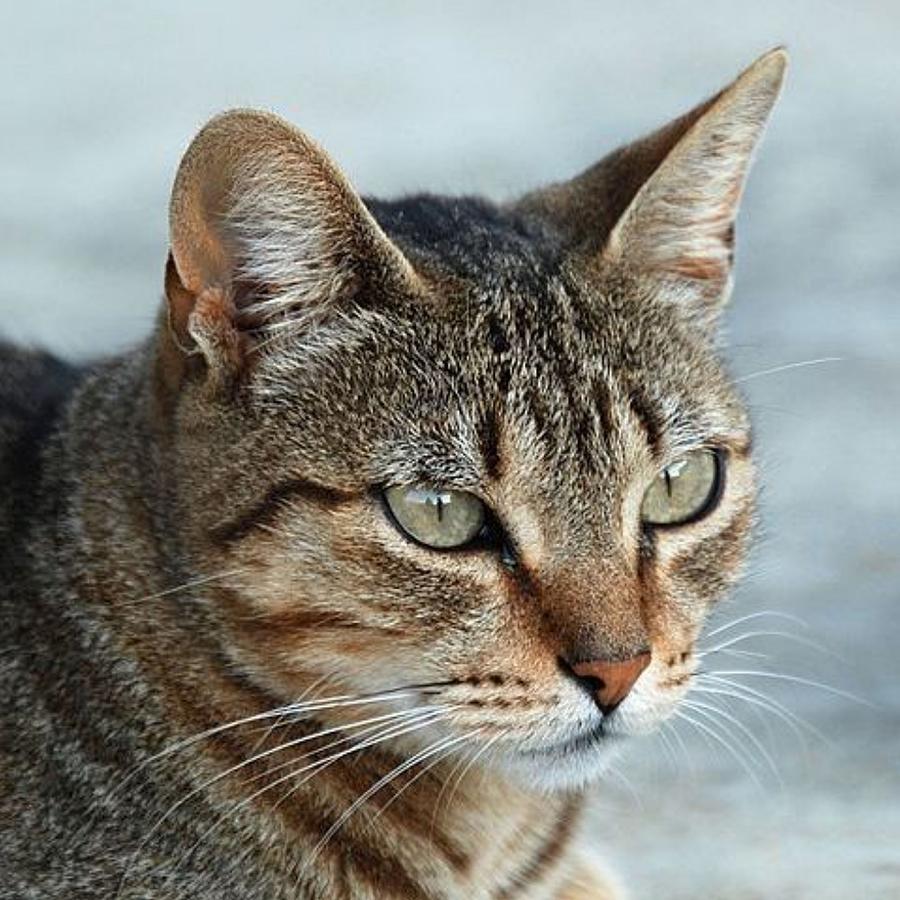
x,y
194,537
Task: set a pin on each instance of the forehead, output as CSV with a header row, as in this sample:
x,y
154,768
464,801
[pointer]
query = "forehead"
x,y
517,364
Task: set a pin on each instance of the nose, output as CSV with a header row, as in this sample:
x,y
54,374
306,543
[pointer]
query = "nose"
x,y
609,681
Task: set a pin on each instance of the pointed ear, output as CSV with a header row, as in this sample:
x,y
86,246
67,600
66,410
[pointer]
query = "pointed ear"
x,y
265,231
665,206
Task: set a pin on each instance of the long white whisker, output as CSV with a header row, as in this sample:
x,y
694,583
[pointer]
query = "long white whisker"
x,y
705,729
755,698
210,782
319,765
738,654
787,366
795,679
365,727
281,719
668,746
629,787
425,716
710,709
206,579
397,770
749,635
441,756
292,709
468,767
772,613
681,746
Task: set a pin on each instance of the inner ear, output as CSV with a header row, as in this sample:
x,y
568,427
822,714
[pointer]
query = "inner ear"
x,y
265,233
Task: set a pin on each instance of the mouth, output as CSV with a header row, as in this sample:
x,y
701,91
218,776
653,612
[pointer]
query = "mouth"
x,y
586,742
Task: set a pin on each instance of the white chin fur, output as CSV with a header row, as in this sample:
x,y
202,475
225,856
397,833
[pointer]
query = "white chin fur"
x,y
562,771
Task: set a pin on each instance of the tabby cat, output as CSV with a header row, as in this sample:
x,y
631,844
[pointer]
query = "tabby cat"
x,y
349,580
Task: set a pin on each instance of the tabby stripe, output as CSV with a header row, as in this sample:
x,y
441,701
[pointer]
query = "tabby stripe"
x,y
650,421
382,873
559,346
269,507
500,347
490,444
547,855
604,405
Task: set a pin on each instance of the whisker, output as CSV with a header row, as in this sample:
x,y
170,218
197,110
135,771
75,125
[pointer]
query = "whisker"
x,y
395,772
324,704
628,786
281,719
705,729
788,366
682,747
700,707
394,731
739,654
210,782
796,679
442,756
773,613
756,698
667,745
206,579
459,780
425,716
364,729
749,635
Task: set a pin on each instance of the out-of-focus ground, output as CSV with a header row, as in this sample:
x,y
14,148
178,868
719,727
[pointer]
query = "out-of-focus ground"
x,y
98,101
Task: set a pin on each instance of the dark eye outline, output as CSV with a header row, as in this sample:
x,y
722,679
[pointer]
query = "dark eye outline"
x,y
491,537
713,498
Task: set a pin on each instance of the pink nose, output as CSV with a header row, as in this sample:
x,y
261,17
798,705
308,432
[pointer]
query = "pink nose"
x,y
610,682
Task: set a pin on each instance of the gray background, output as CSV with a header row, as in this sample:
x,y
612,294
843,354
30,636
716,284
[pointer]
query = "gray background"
x,y
98,101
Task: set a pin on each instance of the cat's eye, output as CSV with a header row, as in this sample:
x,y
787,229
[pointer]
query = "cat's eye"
x,y
685,490
436,517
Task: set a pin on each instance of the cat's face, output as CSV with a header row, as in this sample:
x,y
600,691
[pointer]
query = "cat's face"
x,y
500,465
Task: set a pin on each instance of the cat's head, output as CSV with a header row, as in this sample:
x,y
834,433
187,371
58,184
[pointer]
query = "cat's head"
x,y
439,442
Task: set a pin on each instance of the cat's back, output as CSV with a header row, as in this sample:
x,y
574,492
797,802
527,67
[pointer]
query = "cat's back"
x,y
34,387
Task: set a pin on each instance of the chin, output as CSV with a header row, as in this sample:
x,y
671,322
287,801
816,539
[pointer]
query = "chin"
x,y
568,765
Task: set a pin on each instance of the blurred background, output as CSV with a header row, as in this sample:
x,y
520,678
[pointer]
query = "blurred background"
x,y
97,102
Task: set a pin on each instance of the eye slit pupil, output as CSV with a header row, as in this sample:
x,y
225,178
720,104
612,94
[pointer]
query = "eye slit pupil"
x,y
439,518
685,490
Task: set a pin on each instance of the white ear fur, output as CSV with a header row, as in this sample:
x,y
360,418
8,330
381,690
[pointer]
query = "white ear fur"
x,y
680,222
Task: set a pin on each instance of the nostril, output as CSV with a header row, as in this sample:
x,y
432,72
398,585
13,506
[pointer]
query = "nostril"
x,y
593,684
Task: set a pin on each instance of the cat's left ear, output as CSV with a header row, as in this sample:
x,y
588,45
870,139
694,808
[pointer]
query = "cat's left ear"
x,y
665,205
266,234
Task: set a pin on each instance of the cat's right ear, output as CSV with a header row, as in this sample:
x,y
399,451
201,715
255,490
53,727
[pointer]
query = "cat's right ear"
x,y
266,233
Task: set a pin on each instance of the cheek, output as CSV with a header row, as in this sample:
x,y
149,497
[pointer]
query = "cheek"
x,y
694,571
320,597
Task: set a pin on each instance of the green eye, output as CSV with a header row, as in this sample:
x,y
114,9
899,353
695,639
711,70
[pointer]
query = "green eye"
x,y
436,517
684,490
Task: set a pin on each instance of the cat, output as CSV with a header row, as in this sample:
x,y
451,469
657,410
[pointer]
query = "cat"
x,y
351,579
